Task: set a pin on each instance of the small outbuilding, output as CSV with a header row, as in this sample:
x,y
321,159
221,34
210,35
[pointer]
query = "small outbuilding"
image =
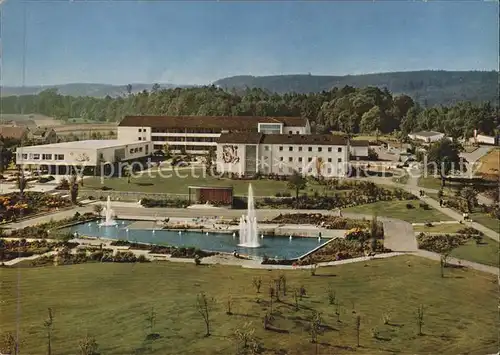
x,y
427,136
359,149
214,195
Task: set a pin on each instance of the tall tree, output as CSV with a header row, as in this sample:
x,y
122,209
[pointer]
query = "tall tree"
x,y
297,182
443,157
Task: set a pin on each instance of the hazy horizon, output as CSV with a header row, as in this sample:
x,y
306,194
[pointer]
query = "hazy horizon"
x,y
196,43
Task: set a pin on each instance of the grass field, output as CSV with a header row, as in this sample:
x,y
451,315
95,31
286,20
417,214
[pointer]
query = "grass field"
x,y
486,253
440,228
486,220
430,182
178,184
397,209
489,164
111,302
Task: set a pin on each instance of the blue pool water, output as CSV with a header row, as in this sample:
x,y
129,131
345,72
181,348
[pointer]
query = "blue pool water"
x,y
273,247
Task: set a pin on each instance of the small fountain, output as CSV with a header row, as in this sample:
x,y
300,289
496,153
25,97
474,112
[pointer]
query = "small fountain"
x,y
248,224
109,222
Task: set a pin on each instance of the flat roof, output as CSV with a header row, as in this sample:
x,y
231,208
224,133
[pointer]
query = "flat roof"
x,y
426,133
92,143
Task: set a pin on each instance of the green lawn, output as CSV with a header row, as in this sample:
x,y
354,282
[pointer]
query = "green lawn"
x,y
440,228
178,184
485,253
111,302
486,220
430,182
397,209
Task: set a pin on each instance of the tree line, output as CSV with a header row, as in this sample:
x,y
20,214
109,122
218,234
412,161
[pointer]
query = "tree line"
x,y
348,109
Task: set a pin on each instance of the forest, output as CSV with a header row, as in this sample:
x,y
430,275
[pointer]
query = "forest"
x,y
347,109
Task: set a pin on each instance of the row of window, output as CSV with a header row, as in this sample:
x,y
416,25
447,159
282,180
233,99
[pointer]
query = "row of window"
x,y
299,149
36,156
267,170
309,159
135,150
184,147
183,139
187,130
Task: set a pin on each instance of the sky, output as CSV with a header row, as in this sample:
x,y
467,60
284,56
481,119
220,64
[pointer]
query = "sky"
x,y
189,42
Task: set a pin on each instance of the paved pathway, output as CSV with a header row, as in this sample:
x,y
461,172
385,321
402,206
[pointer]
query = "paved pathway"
x,y
412,186
33,257
46,218
454,261
458,217
477,154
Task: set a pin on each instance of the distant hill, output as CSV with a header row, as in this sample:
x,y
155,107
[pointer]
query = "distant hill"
x,y
427,87
82,89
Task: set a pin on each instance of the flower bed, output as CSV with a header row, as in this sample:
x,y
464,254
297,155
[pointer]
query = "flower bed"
x,y
341,249
358,193
66,258
445,243
175,252
14,205
12,249
326,221
40,231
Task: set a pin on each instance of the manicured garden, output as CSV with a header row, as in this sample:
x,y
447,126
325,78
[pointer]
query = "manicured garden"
x,y
439,228
136,308
468,244
400,210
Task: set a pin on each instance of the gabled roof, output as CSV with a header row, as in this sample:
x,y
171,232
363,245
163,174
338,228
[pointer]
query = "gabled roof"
x,y
306,139
240,138
360,143
13,132
211,122
290,139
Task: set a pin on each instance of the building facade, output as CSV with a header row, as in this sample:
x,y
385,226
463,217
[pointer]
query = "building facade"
x,y
427,136
359,149
282,154
60,158
199,134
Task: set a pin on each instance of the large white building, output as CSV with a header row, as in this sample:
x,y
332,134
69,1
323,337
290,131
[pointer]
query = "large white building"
x,y
427,136
248,153
197,134
60,158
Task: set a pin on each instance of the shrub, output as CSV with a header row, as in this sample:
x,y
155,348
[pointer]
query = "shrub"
x,y
409,206
175,203
424,206
63,184
441,243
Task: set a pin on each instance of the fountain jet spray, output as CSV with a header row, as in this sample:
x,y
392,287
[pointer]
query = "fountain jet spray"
x,y
248,224
109,215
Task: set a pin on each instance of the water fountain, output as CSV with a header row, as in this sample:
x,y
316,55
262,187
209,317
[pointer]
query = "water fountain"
x,y
109,215
248,224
